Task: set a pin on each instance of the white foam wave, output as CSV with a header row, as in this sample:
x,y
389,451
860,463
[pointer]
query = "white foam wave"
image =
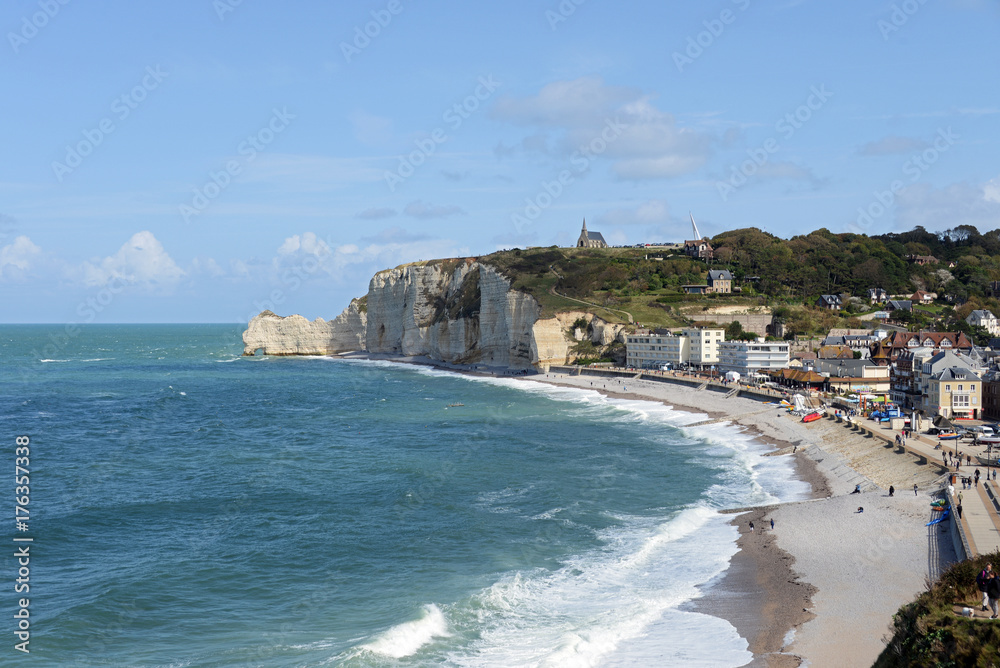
x,y
47,361
407,638
591,609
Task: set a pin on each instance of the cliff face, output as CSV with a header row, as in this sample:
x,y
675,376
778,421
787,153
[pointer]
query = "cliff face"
x,y
457,311
463,313
295,335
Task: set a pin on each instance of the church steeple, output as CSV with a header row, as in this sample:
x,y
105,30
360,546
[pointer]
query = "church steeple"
x,y
584,225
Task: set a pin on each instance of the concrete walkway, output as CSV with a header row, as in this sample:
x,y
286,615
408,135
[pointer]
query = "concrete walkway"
x,y
980,518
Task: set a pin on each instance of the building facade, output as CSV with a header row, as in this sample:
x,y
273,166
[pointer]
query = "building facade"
x,y
720,281
704,345
747,357
955,393
648,350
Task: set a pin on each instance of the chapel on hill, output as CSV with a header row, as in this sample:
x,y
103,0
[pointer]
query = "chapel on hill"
x,y
590,239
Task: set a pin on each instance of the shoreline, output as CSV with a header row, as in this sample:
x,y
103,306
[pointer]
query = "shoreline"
x,y
792,592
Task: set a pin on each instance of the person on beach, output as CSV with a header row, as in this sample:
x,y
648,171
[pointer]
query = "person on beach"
x,y
982,579
861,509
914,489
892,490
751,527
959,509
959,498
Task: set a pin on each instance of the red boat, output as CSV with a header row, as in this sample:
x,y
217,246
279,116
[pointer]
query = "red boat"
x,y
812,417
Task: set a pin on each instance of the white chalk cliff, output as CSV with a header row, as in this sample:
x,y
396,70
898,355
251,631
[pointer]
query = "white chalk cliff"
x,y
457,311
294,335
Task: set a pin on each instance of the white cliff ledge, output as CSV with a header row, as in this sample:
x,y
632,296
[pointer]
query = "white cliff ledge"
x,y
455,311
294,335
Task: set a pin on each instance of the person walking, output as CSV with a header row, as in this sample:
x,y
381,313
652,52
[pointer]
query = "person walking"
x,y
751,531
993,591
914,489
959,509
982,580
892,490
772,524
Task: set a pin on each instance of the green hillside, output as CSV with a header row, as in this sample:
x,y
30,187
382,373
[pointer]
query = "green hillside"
x,y
929,633
783,276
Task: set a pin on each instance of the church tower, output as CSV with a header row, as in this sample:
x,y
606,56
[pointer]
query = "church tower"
x,y
590,239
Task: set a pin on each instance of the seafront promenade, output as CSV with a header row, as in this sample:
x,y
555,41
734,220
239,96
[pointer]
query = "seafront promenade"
x,y
979,526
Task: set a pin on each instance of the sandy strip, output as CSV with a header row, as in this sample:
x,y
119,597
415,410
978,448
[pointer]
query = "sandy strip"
x,y
826,572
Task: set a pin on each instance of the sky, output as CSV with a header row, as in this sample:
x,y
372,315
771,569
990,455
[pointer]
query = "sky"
x,y
201,160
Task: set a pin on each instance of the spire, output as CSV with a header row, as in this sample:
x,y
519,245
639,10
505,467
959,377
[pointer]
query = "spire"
x,y
694,226
584,225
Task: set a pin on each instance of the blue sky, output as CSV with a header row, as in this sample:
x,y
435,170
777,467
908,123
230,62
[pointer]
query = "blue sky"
x,y
199,160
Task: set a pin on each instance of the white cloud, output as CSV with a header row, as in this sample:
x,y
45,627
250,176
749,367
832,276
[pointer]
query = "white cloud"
x,y
17,258
944,208
307,244
991,190
141,261
206,266
619,123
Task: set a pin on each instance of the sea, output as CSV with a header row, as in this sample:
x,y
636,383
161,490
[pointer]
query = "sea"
x,y
192,507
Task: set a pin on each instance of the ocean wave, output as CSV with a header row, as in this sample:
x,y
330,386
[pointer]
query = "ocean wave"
x,y
407,638
597,603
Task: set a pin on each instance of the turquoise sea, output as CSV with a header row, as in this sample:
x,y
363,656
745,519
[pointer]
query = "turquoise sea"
x,y
190,507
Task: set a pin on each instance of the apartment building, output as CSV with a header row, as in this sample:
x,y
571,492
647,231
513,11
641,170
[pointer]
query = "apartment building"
x,y
747,357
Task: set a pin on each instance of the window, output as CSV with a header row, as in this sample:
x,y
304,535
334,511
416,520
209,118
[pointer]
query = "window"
x,y
947,388
960,388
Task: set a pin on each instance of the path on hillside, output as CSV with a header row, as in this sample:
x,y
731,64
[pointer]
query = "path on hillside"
x,y
552,291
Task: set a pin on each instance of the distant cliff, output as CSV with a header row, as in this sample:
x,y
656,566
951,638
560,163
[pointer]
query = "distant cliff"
x,y
457,311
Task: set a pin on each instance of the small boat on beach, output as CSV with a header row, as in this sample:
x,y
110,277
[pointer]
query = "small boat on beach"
x,y
812,417
988,440
949,437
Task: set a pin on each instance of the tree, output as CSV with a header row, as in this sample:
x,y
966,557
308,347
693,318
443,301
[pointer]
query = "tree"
x,y
734,330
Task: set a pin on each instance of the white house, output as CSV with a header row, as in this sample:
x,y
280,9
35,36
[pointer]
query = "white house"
x,y
986,320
